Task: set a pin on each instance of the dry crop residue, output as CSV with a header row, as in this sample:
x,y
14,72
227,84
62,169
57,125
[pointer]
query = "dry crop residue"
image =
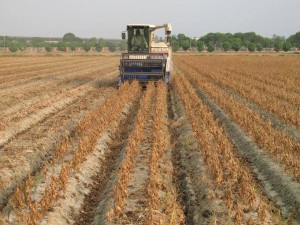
x,y
202,150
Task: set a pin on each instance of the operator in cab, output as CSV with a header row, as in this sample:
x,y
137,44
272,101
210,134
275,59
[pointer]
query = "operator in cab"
x,y
138,42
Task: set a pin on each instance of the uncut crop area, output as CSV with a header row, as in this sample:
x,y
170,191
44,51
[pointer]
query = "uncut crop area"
x,y
219,145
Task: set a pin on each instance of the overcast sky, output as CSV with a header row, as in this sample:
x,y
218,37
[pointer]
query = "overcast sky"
x,y
107,18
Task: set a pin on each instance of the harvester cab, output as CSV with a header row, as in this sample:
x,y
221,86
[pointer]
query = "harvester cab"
x,y
146,59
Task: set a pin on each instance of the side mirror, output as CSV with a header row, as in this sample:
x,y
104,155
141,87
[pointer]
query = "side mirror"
x,y
123,35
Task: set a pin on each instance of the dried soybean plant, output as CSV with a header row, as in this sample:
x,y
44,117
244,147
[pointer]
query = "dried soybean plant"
x,y
220,157
131,150
279,144
89,130
163,209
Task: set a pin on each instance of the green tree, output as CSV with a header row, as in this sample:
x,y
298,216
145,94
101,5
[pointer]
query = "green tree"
x,y
226,46
216,38
69,37
87,46
194,43
259,47
267,43
251,47
78,42
13,46
200,45
21,45
122,45
210,47
246,43
72,46
295,39
181,38
93,41
278,46
174,38
175,45
49,47
287,46
277,38
38,42
185,44
99,45
61,46
111,46
236,44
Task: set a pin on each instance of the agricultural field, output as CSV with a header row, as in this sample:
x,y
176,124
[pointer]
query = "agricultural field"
x,y
219,145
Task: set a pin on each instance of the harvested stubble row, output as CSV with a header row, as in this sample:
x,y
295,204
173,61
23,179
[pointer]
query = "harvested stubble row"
x,y
40,63
37,62
88,131
164,208
50,72
244,204
7,62
48,92
281,99
33,70
280,146
131,150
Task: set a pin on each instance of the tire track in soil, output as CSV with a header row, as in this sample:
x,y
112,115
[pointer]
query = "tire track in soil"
x,y
278,186
111,162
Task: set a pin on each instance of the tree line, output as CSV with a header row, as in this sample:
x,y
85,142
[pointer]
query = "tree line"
x,y
69,41
210,42
238,41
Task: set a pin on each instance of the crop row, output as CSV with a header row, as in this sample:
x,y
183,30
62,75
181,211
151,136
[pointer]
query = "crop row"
x,y
35,66
52,70
35,93
135,138
279,100
278,144
163,208
226,168
90,128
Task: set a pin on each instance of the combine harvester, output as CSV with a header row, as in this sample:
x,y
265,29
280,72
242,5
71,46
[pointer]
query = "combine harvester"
x,y
146,60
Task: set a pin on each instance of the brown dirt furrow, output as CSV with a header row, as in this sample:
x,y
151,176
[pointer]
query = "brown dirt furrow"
x,y
280,102
279,145
81,195
277,113
27,117
135,207
95,203
24,63
232,178
26,101
14,72
190,173
164,207
51,74
278,185
125,173
29,151
69,163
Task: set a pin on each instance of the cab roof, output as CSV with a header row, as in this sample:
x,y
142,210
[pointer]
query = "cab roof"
x,y
140,25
